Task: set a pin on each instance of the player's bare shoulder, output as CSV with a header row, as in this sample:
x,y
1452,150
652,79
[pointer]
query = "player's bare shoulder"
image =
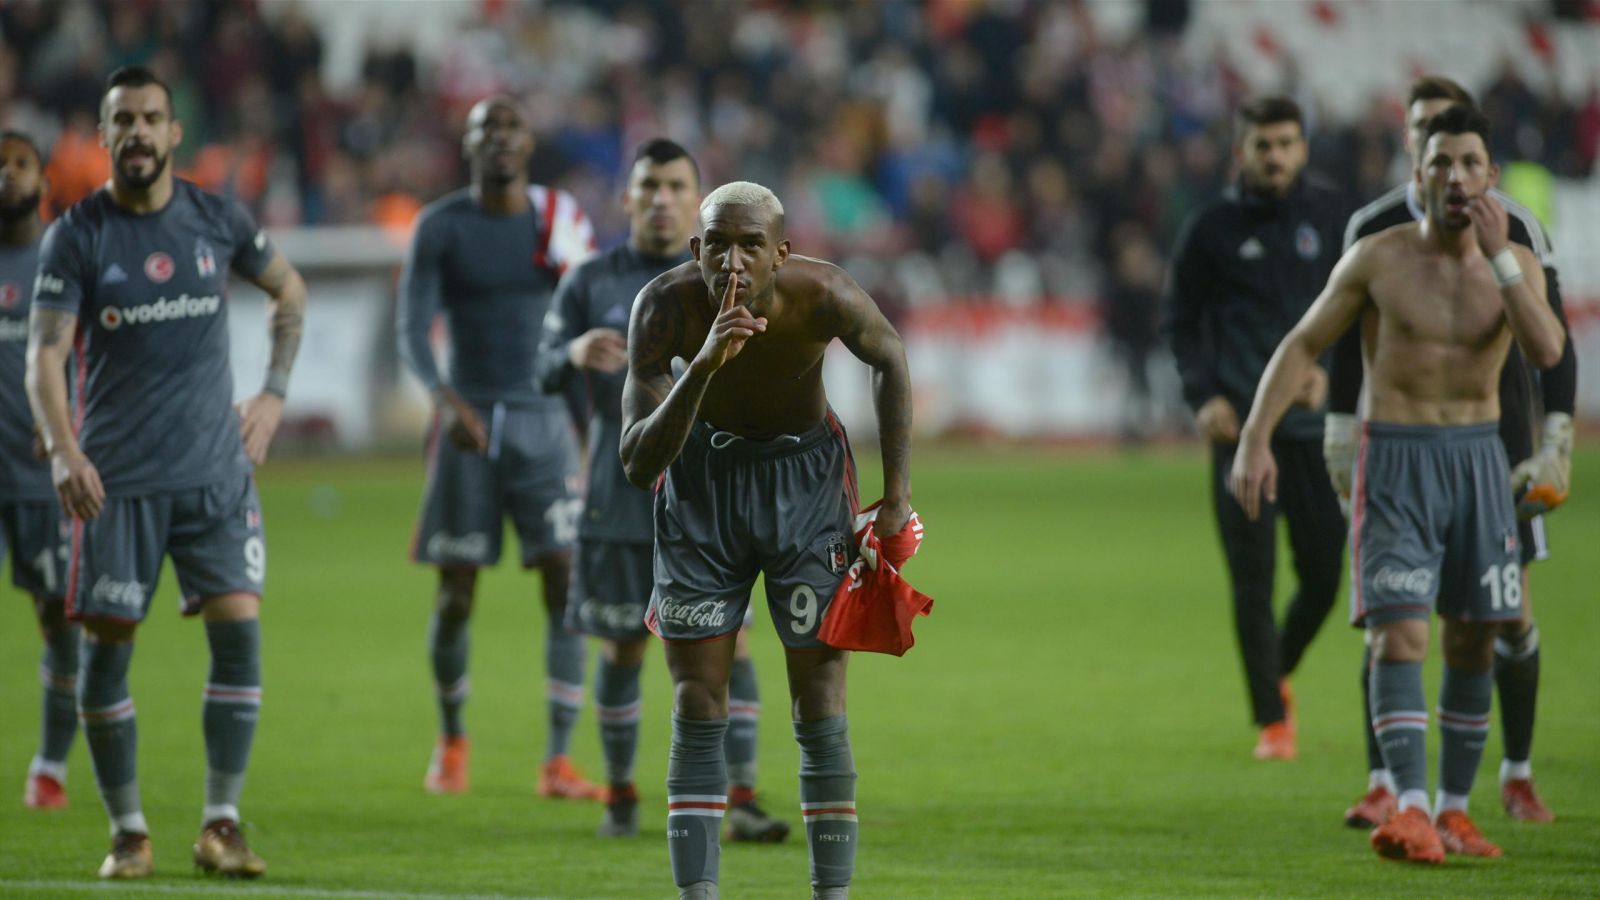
x,y
823,295
669,317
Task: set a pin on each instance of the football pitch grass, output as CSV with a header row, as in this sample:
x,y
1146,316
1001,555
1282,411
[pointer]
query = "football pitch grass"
x,y
1072,721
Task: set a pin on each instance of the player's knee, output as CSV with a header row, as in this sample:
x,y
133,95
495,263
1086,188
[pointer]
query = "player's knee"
x,y
456,587
624,653
107,631
700,700
1469,645
1405,640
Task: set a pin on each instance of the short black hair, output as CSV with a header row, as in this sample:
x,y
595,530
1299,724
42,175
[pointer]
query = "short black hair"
x,y
13,135
1460,119
662,151
134,76
1438,87
1269,110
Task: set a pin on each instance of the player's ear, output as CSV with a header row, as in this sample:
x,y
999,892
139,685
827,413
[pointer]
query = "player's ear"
x,y
694,246
1494,174
177,132
781,255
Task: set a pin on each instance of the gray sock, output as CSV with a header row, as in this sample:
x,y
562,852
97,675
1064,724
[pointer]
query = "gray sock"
x,y
1464,701
617,705
744,711
697,797
448,643
828,799
563,666
110,729
232,705
59,672
700,890
1400,720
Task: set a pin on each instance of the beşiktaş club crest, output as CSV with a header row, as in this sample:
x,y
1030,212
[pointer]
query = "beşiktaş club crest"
x,y
1307,242
10,295
837,553
158,267
204,261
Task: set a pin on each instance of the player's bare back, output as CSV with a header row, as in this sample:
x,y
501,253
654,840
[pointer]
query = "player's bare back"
x,y
1440,332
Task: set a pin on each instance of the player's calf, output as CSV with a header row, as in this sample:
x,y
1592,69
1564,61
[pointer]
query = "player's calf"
x,y
828,799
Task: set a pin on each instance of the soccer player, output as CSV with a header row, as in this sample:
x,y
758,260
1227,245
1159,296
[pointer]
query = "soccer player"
x,y
1245,268
154,459
585,336
31,525
1516,649
487,259
753,476
1438,301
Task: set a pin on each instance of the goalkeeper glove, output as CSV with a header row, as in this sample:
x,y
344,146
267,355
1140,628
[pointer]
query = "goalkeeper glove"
x,y
1540,482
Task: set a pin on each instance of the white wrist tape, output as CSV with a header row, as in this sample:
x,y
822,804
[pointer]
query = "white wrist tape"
x,y
1507,271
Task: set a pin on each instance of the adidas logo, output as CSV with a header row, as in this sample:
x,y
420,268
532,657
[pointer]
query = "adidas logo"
x,y
1252,249
114,275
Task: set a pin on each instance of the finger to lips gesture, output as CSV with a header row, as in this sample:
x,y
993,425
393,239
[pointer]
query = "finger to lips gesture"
x,y
734,325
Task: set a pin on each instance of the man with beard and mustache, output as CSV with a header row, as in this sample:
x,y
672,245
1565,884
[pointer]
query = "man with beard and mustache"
x,y
487,259
31,525
1438,303
1244,269
585,336
154,459
1543,476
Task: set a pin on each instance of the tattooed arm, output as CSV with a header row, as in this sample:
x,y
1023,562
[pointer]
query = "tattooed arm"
x,y
866,333
656,413
286,311
49,345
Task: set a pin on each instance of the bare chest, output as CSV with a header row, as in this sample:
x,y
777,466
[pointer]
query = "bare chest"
x,y
1440,302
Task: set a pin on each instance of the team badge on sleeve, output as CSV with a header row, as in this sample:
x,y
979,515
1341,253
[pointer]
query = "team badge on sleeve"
x,y
204,261
10,295
158,267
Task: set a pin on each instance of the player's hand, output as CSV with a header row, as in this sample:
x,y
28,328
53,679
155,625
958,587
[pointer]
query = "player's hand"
x,y
1314,390
461,422
1541,482
1490,222
258,422
1254,475
77,484
1339,455
1218,421
600,349
733,326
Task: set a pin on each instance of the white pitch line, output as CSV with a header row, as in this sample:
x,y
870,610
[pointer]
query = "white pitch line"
x,y
264,890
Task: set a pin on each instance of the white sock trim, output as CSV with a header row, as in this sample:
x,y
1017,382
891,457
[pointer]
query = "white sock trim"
x,y
42,766
1414,798
220,811
133,822
1380,778
1444,801
1510,771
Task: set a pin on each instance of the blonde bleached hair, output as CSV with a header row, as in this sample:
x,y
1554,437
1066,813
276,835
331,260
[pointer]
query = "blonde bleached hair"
x,y
743,193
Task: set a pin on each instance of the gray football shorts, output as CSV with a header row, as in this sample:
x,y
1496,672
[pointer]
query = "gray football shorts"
x,y
610,589
37,536
1433,527
530,473
731,508
213,534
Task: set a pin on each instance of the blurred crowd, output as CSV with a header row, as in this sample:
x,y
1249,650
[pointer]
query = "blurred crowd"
x,y
946,151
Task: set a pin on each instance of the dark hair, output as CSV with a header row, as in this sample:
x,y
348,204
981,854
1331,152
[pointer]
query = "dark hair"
x,y
1438,87
662,151
1269,110
1459,119
135,76
11,135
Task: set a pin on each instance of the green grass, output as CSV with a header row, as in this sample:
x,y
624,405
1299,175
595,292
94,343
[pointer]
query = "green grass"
x,y
1072,721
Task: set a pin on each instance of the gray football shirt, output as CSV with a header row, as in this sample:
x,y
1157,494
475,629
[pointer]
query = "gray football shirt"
x,y
22,477
478,270
599,294
152,388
